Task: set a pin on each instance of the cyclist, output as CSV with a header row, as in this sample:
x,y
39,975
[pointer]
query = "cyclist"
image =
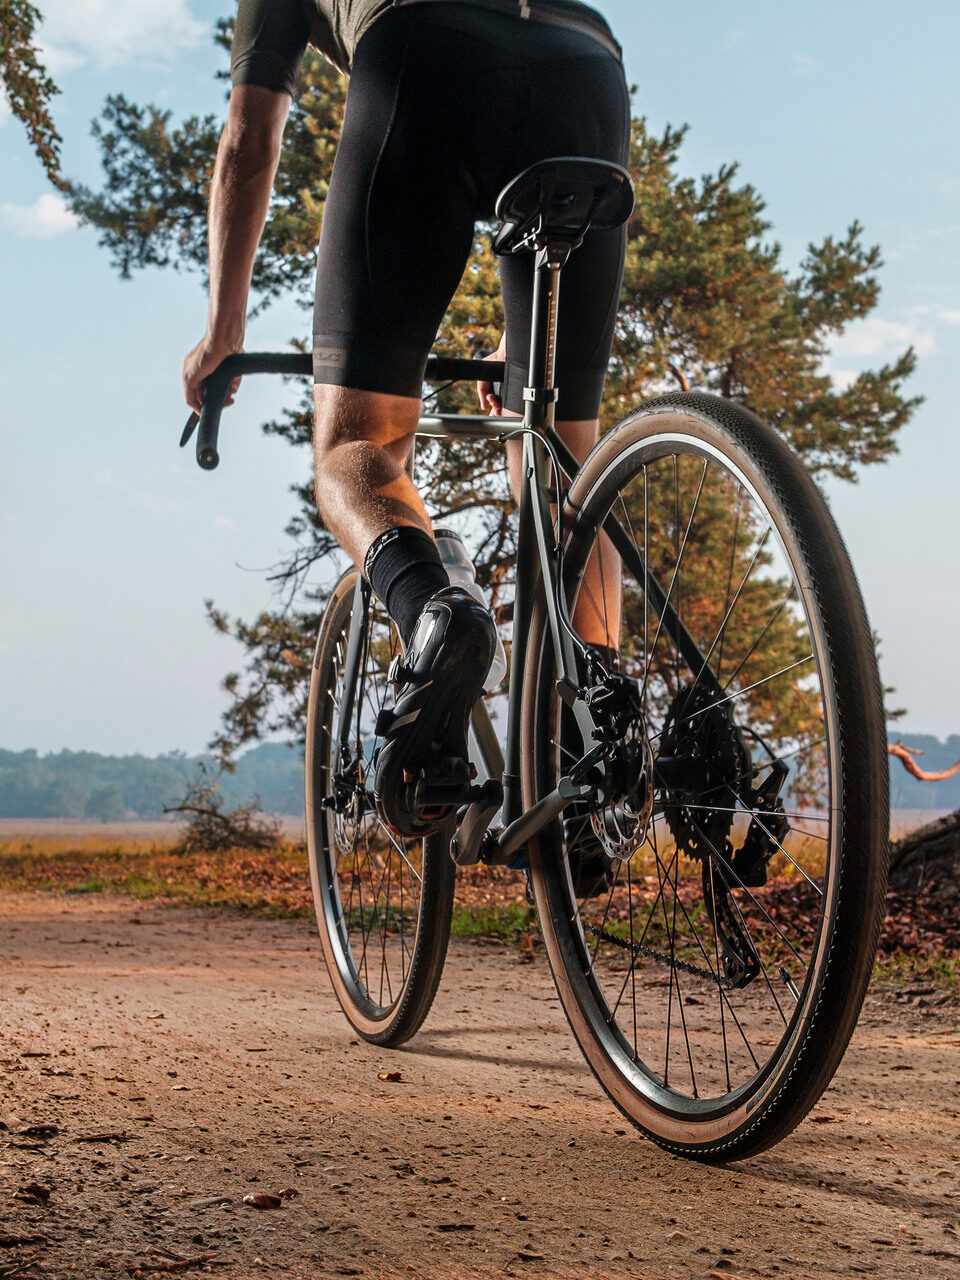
x,y
447,102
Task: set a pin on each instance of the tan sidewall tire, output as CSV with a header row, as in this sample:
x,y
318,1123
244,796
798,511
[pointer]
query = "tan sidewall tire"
x,y
429,947
843,956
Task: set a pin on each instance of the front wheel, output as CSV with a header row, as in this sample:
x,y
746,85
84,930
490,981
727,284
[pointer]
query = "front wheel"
x,y
383,903
714,986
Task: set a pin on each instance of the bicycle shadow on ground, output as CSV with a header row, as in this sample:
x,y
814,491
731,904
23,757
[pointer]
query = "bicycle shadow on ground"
x,y
436,1043
772,1169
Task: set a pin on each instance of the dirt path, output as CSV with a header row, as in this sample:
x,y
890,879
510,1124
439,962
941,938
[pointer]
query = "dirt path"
x,y
214,1042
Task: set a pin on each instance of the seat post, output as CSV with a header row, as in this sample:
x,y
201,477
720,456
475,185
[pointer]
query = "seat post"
x,y
540,393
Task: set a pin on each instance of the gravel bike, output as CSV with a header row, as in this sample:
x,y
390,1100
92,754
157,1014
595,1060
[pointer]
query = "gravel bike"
x,y
734,771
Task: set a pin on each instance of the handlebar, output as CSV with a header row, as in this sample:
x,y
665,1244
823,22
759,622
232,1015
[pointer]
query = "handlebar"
x,y
296,363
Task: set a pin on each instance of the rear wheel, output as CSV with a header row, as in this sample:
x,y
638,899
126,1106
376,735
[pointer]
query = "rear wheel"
x,y
383,903
715,986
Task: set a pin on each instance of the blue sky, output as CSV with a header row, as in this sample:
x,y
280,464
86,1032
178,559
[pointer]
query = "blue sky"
x,y
110,539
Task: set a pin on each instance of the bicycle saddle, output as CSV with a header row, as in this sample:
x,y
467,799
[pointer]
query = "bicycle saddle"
x,y
560,199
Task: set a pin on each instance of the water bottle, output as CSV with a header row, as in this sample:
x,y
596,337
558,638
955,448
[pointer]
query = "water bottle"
x,y
461,573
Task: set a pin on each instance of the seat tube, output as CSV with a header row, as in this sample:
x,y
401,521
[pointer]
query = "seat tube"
x,y
538,415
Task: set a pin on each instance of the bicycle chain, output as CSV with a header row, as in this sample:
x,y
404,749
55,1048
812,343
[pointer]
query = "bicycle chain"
x,y
659,957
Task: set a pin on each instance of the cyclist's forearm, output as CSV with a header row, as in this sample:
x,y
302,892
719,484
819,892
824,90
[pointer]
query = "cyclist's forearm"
x,y
243,177
239,199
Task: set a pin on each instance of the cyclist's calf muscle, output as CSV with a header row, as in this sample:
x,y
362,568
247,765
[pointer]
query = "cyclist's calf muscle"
x,y
361,443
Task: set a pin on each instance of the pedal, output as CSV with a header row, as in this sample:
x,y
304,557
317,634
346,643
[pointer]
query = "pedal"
x,y
486,800
444,784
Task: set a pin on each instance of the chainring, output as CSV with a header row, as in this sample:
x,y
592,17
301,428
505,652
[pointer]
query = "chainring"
x,y
699,812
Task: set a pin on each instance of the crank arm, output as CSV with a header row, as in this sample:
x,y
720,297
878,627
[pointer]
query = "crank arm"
x,y
535,819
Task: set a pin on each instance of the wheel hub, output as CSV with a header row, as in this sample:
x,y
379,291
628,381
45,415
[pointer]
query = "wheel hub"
x,y
700,769
625,796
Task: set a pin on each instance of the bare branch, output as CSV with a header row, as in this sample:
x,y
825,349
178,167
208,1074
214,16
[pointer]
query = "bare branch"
x,y
906,754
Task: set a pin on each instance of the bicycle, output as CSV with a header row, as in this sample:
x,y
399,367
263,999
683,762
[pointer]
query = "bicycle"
x,y
734,771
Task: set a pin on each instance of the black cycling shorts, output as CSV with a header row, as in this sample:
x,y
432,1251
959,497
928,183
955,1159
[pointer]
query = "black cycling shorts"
x,y
446,104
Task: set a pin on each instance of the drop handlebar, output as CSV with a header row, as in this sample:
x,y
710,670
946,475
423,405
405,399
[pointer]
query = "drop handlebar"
x,y
295,363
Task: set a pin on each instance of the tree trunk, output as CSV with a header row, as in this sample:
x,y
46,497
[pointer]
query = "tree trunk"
x,y
928,858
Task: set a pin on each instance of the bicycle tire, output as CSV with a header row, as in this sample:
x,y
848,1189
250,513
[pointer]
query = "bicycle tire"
x,y
358,867
743,1117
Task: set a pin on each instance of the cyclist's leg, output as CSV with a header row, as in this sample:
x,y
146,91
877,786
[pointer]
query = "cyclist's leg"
x,y
579,106
397,231
361,443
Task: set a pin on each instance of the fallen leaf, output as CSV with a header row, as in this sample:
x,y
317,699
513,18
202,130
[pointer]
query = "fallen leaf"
x,y
262,1200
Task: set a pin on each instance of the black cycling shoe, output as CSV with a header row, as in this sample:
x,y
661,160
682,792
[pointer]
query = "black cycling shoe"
x,y
422,772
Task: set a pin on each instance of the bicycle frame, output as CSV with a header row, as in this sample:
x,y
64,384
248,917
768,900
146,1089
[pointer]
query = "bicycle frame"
x,y
541,449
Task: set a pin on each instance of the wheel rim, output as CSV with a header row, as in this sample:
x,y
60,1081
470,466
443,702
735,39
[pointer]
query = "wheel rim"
x,y
644,957
369,880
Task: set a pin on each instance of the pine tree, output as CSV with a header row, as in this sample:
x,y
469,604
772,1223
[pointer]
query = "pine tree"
x,y
707,302
26,84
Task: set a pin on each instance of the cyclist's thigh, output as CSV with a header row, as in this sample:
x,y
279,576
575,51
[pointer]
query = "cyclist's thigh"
x,y
399,216
579,106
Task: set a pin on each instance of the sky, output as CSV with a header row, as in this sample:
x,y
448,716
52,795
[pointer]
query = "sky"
x,y
111,539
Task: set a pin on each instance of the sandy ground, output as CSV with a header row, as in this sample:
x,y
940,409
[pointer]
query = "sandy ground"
x,y
214,1044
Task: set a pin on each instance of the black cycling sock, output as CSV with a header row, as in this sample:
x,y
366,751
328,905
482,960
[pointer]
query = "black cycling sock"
x,y
404,568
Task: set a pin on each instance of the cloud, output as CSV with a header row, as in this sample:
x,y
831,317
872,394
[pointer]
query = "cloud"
x,y
48,216
876,337
877,340
113,31
139,499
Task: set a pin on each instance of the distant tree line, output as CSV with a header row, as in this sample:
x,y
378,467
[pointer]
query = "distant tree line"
x,y
84,784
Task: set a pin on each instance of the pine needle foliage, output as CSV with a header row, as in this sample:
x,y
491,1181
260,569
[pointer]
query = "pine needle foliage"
x,y
26,84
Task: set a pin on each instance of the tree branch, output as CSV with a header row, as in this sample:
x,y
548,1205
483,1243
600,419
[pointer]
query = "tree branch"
x,y
905,755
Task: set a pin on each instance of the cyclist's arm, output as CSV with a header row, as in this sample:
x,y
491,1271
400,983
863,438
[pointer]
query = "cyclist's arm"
x,y
239,198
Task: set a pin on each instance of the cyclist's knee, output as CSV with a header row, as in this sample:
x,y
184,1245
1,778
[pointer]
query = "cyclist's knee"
x,y
343,415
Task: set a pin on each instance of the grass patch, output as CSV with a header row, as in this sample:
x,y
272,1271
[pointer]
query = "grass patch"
x,y
490,902
507,921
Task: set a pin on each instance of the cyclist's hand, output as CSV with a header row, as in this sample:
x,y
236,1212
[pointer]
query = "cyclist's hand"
x,y
200,362
490,402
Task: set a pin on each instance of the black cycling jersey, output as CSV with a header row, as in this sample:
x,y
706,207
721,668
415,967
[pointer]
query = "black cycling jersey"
x,y
270,36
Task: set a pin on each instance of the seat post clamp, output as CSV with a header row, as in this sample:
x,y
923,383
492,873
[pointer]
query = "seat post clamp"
x,y
540,396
